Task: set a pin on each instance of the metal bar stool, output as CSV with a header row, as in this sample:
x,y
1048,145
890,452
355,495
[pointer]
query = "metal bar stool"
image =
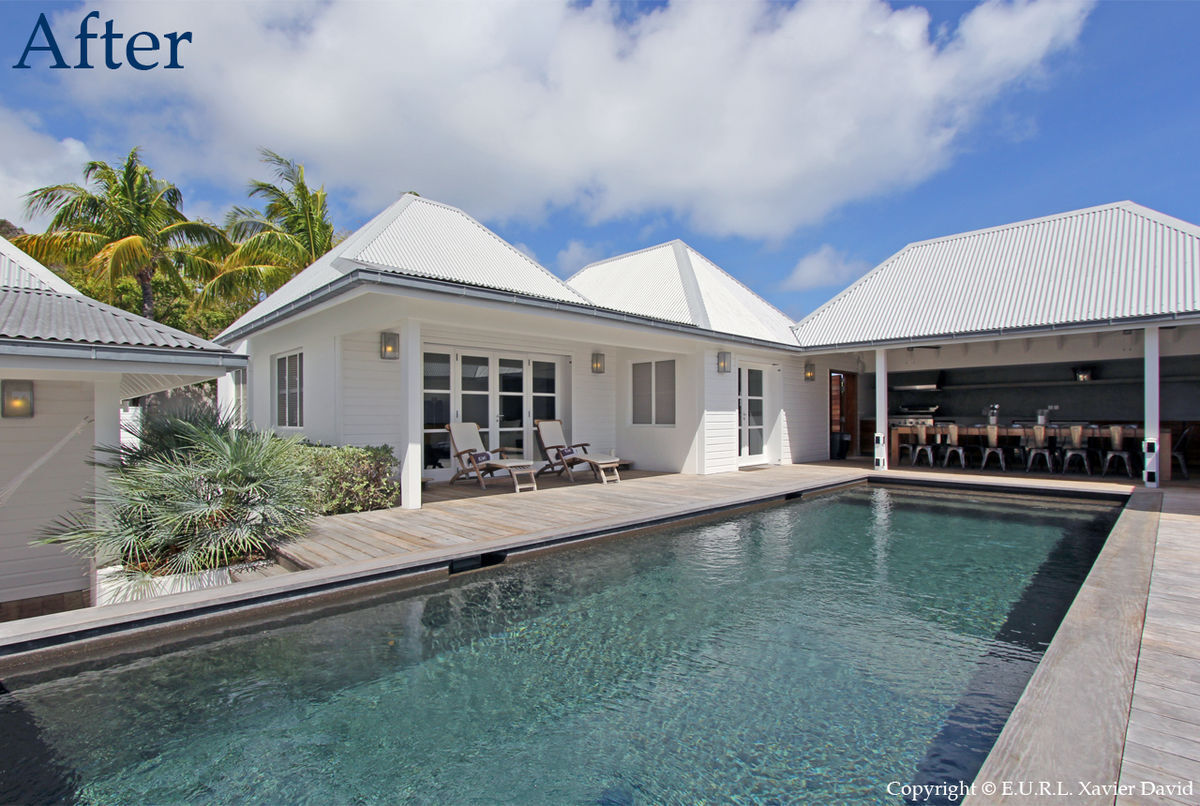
x,y
952,448
993,448
923,446
1076,450
1116,435
1040,447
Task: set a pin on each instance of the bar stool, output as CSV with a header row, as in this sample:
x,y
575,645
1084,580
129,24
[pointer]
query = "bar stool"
x,y
993,448
1116,435
1076,449
1041,448
952,448
923,446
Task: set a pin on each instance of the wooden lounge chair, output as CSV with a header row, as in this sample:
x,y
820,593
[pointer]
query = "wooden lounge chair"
x,y
562,457
476,461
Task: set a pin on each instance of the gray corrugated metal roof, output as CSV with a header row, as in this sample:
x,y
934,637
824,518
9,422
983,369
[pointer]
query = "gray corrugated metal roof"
x,y
419,237
19,270
47,316
1115,262
673,281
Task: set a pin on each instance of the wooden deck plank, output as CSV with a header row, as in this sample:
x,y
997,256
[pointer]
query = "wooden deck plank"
x,y
1163,740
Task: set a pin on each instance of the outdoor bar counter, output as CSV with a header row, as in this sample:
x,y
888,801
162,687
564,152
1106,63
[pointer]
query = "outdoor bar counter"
x,y
937,433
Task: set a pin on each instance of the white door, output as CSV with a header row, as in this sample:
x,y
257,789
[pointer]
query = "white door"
x,y
751,415
502,393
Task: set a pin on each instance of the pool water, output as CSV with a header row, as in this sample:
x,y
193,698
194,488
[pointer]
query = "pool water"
x,y
810,652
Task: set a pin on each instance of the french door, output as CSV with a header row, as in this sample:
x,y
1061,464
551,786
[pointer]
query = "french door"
x,y
751,420
502,393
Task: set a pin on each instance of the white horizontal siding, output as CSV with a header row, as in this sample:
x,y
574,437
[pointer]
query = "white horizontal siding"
x,y
806,411
372,399
720,418
49,493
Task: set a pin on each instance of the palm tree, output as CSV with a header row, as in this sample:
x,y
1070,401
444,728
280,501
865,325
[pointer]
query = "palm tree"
x,y
122,222
291,231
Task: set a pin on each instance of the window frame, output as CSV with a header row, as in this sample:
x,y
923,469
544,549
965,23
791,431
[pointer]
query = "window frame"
x,y
280,417
657,381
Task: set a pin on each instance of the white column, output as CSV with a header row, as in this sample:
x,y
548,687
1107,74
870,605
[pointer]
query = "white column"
x,y
882,436
1151,391
106,413
409,450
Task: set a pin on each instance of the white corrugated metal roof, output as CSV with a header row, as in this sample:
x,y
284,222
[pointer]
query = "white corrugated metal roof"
x,y
673,281
1115,262
422,238
19,270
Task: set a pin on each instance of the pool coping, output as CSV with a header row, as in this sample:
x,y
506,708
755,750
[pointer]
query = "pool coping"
x,y
1068,727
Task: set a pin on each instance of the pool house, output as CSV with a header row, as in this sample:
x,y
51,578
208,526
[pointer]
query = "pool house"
x,y
1080,322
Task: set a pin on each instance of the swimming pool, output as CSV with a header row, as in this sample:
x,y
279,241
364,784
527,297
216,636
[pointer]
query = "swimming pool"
x,y
808,652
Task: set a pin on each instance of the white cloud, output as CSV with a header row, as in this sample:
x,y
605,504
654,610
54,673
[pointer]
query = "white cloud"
x,y
576,255
32,159
824,268
748,118
526,250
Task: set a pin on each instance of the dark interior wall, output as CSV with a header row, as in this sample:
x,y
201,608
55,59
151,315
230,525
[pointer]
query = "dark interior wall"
x,y
1115,395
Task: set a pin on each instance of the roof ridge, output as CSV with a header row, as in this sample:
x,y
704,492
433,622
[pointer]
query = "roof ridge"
x,y
623,255
691,285
736,281
503,241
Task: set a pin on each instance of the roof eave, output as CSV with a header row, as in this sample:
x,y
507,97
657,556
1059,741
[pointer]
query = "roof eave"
x,y
365,277
1010,332
167,356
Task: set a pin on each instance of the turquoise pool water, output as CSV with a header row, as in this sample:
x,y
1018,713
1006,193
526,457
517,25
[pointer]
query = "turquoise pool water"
x,y
811,652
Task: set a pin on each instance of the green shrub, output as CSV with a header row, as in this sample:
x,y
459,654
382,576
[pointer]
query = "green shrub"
x,y
218,496
352,479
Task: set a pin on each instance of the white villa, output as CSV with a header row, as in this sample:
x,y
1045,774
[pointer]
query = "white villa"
x,y
424,317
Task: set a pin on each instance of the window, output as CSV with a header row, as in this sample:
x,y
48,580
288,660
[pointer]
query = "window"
x,y
654,393
289,390
240,410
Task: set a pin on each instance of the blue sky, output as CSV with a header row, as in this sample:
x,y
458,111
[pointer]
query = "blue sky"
x,y
796,145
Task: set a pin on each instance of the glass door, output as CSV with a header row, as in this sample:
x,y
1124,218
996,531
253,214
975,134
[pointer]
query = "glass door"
x,y
512,425
502,393
751,422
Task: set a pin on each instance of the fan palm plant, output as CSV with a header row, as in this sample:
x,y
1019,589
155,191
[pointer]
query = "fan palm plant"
x,y
122,222
223,496
273,244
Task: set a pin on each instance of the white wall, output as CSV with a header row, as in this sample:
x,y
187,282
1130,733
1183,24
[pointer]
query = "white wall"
x,y
720,417
672,448
372,398
51,491
806,407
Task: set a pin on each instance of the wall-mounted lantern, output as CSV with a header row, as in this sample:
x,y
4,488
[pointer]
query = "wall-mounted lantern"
x,y
724,362
389,346
1082,374
18,398
597,363
810,371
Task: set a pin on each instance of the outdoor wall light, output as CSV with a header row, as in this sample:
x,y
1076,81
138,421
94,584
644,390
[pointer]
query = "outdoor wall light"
x,y
724,362
810,371
598,363
18,398
1082,374
389,346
